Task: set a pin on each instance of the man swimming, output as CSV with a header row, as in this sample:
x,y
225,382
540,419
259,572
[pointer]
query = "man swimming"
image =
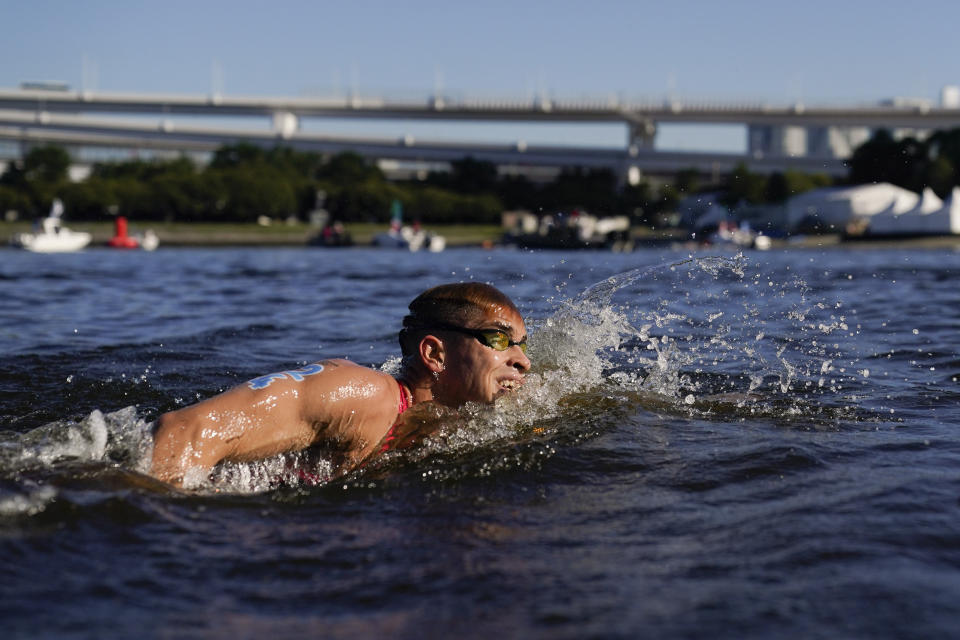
x,y
460,343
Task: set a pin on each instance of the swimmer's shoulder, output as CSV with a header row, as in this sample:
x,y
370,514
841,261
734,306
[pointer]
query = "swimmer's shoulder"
x,y
342,368
351,402
344,378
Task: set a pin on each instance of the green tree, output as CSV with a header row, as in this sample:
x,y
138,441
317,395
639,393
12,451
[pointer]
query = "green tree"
x,y
687,182
304,164
741,185
518,192
777,189
783,186
40,175
231,156
361,202
47,164
945,149
882,159
12,199
14,177
349,168
88,200
471,176
941,176
593,189
637,201
249,192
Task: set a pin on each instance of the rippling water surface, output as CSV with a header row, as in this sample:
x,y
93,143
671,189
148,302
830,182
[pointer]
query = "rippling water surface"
x,y
708,446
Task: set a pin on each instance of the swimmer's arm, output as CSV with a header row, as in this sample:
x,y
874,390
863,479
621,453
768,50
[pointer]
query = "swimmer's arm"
x,y
241,423
342,401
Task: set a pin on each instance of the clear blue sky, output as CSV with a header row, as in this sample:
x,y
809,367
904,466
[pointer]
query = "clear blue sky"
x,y
812,51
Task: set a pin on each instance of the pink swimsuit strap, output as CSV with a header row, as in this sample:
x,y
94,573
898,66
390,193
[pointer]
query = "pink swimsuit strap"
x,y
405,403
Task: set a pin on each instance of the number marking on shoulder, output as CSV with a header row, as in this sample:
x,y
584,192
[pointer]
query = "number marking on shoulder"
x,y
297,375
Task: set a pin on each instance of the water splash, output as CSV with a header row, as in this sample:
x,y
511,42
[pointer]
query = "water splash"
x,y
120,437
722,335
32,460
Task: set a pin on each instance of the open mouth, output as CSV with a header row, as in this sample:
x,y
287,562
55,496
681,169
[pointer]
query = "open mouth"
x,y
510,384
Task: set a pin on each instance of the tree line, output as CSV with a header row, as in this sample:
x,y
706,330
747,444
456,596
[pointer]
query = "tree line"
x,y
243,182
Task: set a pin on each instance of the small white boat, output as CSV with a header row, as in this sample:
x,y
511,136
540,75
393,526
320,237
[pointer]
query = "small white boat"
x,y
149,240
52,236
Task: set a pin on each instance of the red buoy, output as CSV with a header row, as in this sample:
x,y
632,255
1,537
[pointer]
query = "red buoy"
x,y
120,239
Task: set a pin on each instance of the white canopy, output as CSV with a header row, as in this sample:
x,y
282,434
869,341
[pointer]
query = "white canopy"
x,y
930,216
836,206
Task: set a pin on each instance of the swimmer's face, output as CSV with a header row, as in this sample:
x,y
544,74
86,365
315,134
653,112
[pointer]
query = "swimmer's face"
x,y
475,372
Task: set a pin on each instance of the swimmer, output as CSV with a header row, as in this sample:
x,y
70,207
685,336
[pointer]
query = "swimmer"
x,y
460,343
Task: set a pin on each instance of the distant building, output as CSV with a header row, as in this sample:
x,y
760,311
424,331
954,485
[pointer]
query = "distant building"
x,y
819,142
835,142
838,142
775,140
950,97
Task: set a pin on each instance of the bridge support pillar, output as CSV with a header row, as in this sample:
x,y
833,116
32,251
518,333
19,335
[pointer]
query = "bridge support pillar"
x,y
630,175
285,124
640,133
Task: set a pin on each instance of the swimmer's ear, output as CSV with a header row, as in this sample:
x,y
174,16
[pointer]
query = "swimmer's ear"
x,y
432,353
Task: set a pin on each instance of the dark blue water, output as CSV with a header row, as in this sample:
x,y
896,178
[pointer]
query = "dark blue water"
x,y
708,446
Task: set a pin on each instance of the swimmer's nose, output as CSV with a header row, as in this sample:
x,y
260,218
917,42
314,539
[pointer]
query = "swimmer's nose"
x,y
519,359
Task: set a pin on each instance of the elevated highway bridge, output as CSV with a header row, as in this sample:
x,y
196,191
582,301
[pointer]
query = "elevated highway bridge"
x,y
914,116
82,119
78,132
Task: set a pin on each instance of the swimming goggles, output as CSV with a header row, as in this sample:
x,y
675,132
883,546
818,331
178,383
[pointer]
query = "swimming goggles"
x,y
494,338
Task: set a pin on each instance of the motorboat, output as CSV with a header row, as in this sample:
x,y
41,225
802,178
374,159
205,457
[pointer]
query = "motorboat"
x,y
412,238
50,236
332,235
577,230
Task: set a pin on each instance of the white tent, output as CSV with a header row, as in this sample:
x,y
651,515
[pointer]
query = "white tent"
x,y
834,207
890,221
931,216
951,212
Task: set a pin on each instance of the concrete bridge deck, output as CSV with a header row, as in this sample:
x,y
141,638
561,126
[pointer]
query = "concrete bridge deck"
x,y
917,116
74,130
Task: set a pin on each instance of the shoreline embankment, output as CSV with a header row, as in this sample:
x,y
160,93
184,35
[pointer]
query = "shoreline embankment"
x,y
203,234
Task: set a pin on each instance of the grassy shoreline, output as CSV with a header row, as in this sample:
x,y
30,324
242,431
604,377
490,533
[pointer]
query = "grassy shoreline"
x,y
182,234
208,234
